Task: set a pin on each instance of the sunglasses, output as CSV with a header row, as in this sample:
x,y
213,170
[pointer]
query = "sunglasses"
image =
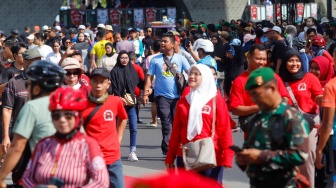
x,y
76,72
56,115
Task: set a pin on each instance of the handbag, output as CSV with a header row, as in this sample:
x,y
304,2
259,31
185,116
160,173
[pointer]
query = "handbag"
x,y
129,100
179,78
312,119
200,154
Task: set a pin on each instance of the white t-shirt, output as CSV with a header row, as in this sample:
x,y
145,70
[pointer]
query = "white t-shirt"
x,y
54,58
136,46
44,50
108,62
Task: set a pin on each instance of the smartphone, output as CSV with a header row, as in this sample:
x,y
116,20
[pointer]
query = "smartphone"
x,y
236,149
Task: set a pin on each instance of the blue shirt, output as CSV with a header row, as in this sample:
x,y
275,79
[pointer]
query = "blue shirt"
x,y
164,80
208,60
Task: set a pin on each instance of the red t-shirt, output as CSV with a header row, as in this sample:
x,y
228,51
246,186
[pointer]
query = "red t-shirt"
x,y
223,134
85,80
141,76
240,97
305,92
102,126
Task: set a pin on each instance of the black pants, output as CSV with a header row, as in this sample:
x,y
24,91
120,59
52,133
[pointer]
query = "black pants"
x,y
166,110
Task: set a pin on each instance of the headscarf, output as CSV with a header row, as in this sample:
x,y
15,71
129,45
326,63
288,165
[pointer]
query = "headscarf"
x,y
111,45
197,98
326,69
291,29
124,78
284,73
63,43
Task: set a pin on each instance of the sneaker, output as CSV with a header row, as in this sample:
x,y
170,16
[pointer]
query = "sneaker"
x,y
164,154
132,157
151,124
140,121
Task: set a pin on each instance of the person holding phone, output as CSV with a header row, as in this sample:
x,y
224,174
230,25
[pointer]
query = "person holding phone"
x,y
69,156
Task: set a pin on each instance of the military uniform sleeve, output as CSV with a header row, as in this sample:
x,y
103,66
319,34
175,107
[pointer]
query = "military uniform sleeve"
x,y
25,121
296,134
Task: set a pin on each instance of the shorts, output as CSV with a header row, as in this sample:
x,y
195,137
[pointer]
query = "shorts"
x,y
151,97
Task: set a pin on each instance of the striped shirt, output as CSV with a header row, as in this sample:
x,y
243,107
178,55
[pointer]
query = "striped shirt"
x,y
78,162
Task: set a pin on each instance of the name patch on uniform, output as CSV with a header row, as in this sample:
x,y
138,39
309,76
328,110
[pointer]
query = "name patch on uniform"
x,y
302,87
108,115
206,109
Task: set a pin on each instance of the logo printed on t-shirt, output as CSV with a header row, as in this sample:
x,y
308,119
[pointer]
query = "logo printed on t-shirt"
x,y
206,109
302,87
108,115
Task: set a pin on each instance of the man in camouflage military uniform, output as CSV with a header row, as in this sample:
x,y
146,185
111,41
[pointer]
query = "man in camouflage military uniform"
x,y
273,147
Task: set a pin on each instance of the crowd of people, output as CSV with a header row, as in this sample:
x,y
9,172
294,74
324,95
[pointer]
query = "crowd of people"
x,y
57,84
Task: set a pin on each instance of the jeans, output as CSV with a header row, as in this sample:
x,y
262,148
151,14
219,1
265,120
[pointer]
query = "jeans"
x,y
213,173
132,120
115,171
166,110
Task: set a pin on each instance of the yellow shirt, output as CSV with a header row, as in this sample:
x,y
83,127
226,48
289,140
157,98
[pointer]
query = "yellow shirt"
x,y
99,49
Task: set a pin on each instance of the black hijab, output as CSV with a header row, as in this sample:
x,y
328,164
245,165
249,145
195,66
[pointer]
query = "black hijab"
x,y
111,45
123,78
284,73
63,43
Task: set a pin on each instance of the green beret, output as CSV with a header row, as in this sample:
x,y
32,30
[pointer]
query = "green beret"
x,y
204,25
194,26
259,77
226,24
218,26
332,24
233,27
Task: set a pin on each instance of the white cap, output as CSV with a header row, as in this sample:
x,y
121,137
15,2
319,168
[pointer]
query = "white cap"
x,y
31,37
235,42
324,20
82,27
45,28
101,25
206,45
265,29
58,28
277,29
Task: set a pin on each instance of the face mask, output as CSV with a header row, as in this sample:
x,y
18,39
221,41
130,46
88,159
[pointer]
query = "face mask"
x,y
315,49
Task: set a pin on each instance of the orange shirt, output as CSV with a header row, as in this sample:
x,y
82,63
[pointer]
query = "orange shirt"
x,y
329,97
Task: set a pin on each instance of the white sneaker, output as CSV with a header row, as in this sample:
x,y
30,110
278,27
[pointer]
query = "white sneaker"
x,y
151,125
132,157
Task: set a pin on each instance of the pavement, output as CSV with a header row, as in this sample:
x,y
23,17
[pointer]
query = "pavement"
x,y
151,160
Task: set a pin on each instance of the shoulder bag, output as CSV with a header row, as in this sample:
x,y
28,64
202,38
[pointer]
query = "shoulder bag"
x,y
180,81
200,154
312,119
93,112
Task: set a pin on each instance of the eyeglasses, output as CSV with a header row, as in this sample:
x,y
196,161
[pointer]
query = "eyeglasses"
x,y
76,72
56,115
67,42
195,74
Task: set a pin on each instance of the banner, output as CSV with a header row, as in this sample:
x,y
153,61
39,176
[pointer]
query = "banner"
x,y
313,10
76,17
150,15
171,12
269,12
102,16
254,12
115,17
138,17
278,12
300,9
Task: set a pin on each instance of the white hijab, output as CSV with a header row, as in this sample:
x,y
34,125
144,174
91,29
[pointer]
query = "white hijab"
x,y
198,98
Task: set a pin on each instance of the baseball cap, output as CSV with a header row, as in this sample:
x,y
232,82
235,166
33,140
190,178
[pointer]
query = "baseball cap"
x,y
235,42
45,28
324,20
101,26
82,27
130,30
58,28
71,63
31,37
72,31
266,29
277,29
101,72
31,54
205,44
109,27
15,31
259,77
249,29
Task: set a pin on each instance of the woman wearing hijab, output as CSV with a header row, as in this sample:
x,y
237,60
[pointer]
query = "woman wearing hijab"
x,y
308,92
323,69
66,41
193,121
69,155
108,60
124,81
